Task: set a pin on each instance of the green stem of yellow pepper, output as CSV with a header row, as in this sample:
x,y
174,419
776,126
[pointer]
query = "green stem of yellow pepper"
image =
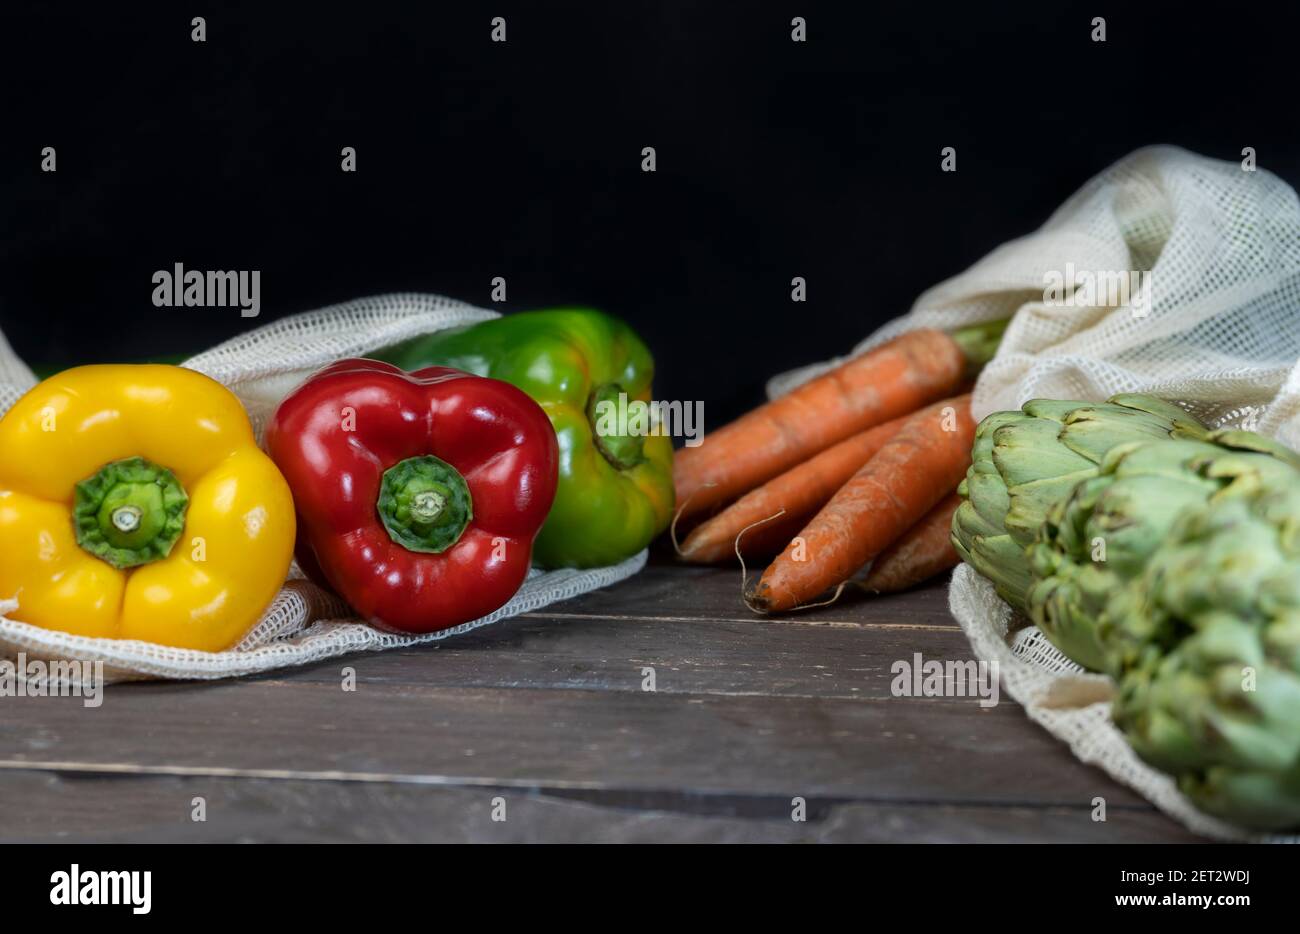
x,y
129,513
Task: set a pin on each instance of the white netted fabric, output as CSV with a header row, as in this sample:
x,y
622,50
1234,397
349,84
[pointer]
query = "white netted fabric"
x,y
304,623
1218,331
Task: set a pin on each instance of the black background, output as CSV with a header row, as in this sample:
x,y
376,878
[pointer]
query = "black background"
x,y
522,159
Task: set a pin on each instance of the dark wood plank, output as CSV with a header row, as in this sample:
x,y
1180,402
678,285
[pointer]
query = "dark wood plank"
x,y
898,749
39,807
676,591
549,710
700,656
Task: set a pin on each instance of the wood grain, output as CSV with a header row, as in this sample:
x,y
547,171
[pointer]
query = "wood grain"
x,y
72,808
666,590
528,738
688,656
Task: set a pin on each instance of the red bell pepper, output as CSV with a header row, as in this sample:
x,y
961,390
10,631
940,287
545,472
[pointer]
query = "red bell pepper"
x,y
418,495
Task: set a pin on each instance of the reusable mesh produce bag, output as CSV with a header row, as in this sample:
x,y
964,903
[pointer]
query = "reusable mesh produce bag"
x,y
1215,327
304,623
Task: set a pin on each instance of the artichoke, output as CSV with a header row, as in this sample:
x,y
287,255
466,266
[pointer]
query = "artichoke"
x,y
1220,709
1023,463
1148,546
1103,534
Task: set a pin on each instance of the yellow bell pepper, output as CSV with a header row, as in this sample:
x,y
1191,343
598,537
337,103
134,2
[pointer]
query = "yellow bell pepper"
x,y
135,504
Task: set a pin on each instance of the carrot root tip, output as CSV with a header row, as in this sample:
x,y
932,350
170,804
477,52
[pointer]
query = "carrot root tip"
x,y
753,601
672,528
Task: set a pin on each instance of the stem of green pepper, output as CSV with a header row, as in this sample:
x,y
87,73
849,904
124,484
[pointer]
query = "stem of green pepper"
x,y
424,504
131,512
610,414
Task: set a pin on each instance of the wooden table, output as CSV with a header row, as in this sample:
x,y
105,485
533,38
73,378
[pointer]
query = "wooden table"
x,y
543,719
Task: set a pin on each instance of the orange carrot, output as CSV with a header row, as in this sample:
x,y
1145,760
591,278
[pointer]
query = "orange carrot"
x,y
924,551
800,492
910,474
892,380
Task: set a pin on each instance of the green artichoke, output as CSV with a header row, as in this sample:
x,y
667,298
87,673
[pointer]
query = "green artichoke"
x,y
1146,545
1023,463
1103,533
1220,710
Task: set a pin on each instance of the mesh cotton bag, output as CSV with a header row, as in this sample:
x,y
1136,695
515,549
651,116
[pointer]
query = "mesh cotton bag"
x,y
1217,329
304,623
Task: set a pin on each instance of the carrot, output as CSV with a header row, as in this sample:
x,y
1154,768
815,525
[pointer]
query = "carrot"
x,y
924,551
786,502
889,381
889,495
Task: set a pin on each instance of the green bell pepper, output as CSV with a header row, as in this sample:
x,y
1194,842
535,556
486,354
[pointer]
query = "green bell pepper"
x,y
615,490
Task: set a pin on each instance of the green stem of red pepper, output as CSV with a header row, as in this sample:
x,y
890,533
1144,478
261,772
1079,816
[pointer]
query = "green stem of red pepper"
x,y
424,504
